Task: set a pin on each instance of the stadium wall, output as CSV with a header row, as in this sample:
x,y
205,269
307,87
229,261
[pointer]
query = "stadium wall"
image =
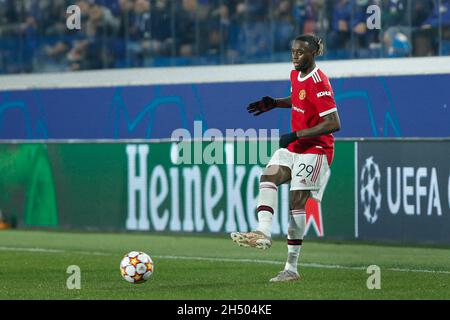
x,y
376,98
379,191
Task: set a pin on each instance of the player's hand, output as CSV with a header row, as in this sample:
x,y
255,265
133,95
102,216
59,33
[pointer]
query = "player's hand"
x,y
287,139
261,106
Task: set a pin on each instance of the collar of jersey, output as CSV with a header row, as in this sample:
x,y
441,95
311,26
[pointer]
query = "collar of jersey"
x,y
308,76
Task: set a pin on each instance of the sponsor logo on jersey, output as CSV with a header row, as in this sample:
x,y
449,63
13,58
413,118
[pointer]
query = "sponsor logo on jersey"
x,y
324,93
298,109
302,95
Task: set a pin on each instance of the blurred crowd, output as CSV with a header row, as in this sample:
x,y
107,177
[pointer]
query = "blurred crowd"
x,y
137,33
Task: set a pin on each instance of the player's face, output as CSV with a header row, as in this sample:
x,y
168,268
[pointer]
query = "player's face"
x,y
302,57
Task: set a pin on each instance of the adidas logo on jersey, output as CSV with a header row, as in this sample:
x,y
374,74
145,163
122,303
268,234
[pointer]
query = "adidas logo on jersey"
x,y
316,77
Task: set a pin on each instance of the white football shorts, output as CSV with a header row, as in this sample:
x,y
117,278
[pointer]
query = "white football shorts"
x,y
308,171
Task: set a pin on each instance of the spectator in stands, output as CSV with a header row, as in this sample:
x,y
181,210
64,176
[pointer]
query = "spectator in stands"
x,y
284,25
440,13
218,31
207,30
8,12
119,33
395,13
438,20
28,34
113,6
66,47
161,35
349,29
139,33
149,31
18,30
186,28
101,21
397,37
125,17
95,50
340,31
251,32
422,35
310,16
445,31
51,17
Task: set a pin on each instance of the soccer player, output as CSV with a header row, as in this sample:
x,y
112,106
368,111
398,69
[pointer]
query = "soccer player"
x,y
304,157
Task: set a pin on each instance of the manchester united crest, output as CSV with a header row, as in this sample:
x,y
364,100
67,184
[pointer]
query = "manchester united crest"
x,y
302,95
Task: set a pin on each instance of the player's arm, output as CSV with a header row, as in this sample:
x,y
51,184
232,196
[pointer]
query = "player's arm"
x,y
284,102
331,123
267,104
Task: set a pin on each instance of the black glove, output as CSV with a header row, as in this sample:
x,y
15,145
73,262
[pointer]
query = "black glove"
x,y
287,139
261,106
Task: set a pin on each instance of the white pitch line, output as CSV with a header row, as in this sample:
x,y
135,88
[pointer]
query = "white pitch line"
x,y
31,250
220,259
306,265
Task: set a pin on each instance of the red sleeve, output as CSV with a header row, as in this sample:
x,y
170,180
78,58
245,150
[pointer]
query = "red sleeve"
x,y
323,98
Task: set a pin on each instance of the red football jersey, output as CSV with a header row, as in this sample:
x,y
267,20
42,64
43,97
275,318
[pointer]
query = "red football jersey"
x,y
312,98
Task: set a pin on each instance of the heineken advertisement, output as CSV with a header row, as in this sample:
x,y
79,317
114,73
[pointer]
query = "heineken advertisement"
x,y
160,187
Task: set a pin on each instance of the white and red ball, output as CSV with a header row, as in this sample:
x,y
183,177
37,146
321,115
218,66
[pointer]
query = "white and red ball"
x,y
136,267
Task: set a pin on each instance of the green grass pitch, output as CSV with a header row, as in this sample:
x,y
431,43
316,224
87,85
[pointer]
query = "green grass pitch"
x,y
33,265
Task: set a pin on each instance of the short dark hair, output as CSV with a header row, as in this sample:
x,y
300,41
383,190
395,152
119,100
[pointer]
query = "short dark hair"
x,y
314,42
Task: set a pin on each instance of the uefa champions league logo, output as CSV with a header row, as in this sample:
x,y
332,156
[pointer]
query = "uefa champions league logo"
x,y
370,191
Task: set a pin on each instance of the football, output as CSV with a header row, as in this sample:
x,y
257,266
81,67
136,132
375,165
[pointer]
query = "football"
x,y
136,267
